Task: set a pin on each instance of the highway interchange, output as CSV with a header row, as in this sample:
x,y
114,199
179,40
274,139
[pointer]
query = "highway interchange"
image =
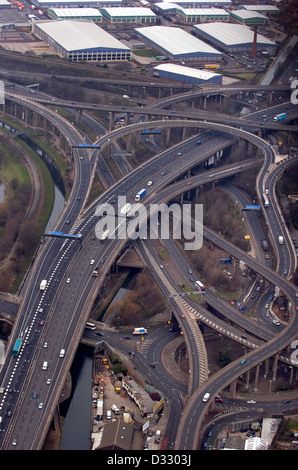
x,y
64,307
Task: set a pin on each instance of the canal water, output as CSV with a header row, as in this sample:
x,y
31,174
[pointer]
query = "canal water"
x,y
76,432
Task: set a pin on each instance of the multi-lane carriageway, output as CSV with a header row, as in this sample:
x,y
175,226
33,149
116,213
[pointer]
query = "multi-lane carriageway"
x,y
41,423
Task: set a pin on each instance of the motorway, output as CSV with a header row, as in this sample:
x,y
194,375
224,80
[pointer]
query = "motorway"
x,y
65,304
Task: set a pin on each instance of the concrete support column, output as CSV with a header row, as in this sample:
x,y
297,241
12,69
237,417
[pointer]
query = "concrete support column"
x,y
266,367
275,366
257,377
247,379
111,120
233,388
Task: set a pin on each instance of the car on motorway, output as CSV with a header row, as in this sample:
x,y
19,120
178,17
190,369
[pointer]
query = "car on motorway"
x,y
45,345
41,322
285,272
68,280
49,381
189,271
189,183
182,316
251,401
40,406
211,176
34,395
149,183
287,401
92,261
161,266
243,361
14,442
296,307
267,256
267,306
296,294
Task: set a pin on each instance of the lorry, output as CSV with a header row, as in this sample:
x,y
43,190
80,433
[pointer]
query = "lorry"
x,y
279,117
43,284
140,195
125,209
206,397
139,331
281,240
17,347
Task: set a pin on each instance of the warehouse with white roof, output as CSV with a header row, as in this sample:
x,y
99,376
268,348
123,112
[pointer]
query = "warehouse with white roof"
x,y
81,40
198,15
249,17
233,37
186,74
91,14
46,4
177,44
203,3
129,15
269,10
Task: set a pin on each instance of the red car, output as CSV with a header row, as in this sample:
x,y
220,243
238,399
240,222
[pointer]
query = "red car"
x,y
189,183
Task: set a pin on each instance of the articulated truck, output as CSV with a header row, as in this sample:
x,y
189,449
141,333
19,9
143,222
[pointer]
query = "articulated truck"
x,y
280,117
140,195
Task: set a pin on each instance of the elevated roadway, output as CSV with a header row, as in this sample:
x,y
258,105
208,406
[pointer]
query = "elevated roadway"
x,y
56,271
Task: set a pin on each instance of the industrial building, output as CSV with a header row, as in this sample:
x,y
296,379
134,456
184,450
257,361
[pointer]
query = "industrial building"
x,y
91,14
129,15
5,5
247,17
202,15
81,40
177,44
186,74
12,20
203,3
46,4
268,10
165,8
233,37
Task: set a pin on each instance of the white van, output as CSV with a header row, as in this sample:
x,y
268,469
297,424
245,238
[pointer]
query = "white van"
x,y
109,414
45,365
62,352
115,409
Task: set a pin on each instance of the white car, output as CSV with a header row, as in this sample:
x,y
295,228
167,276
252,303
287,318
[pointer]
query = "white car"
x,y
251,401
68,280
92,261
149,183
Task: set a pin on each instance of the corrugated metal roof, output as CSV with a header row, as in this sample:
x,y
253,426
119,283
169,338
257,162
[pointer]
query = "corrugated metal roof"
x,y
259,7
189,71
76,11
77,35
204,11
176,40
232,34
247,14
133,11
